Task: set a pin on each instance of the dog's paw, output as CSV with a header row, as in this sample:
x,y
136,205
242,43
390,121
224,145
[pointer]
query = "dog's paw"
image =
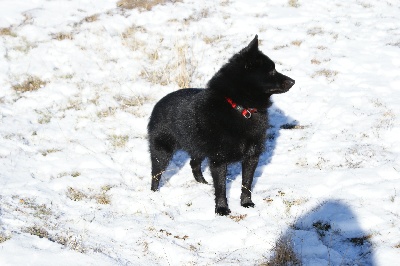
x,y
248,205
223,211
201,179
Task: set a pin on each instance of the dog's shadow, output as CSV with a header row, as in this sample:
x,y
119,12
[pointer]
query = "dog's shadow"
x,y
329,234
277,121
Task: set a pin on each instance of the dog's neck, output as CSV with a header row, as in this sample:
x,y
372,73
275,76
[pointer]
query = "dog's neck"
x,y
245,112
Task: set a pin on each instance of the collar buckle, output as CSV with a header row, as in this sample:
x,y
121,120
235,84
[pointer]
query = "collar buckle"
x,y
246,112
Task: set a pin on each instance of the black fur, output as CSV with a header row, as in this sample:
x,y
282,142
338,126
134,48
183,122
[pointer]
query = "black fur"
x,y
202,122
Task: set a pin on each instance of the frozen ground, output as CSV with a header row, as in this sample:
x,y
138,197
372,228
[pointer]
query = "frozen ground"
x,y
78,80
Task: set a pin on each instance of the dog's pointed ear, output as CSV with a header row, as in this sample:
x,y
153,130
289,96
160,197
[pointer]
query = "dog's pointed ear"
x,y
252,47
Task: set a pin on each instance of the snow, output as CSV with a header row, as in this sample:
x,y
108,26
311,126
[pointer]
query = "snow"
x,y
73,153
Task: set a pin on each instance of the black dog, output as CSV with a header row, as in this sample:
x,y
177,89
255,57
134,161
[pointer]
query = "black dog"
x,y
227,122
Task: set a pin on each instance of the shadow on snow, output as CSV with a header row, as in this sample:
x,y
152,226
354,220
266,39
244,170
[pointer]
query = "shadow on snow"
x,y
330,234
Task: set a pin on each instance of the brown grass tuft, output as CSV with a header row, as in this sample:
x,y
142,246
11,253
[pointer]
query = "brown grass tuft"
x,y
315,61
62,36
294,3
70,241
4,237
238,218
37,231
315,31
279,47
184,74
75,194
119,141
296,42
325,73
142,4
31,84
284,253
102,198
91,18
7,32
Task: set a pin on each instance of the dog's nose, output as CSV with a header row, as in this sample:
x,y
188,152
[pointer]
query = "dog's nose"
x,y
288,83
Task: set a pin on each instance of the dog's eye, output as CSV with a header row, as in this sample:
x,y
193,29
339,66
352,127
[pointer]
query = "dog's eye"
x,y
273,72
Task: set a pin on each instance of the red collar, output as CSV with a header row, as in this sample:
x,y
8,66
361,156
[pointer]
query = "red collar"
x,y
246,112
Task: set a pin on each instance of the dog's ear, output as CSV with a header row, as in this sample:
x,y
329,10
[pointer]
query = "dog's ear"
x,y
252,47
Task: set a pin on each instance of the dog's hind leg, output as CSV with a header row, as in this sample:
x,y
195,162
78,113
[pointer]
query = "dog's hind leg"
x,y
195,163
249,166
218,172
161,152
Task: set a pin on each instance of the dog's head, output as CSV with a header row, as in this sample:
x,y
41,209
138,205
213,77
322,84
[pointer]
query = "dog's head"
x,y
260,69
250,77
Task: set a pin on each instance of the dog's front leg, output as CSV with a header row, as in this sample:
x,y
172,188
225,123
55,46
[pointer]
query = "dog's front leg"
x,y
218,172
249,166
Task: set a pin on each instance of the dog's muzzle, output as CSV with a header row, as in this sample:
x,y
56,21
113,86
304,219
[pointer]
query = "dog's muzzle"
x,y
287,84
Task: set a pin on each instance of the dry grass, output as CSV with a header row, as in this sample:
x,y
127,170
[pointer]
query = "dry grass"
x,y
329,74
75,194
142,4
294,3
168,234
133,101
110,111
119,141
91,18
296,42
284,253
180,71
292,126
225,2
36,231
75,174
45,117
184,76
153,56
49,151
197,16
62,36
238,218
40,210
364,5
4,237
279,47
211,39
7,32
129,37
359,241
100,198
315,31
32,83
158,76
294,202
315,61
322,228
70,241
394,44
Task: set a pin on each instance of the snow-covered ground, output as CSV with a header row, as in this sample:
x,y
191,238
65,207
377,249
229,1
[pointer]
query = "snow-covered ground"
x,y
78,80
